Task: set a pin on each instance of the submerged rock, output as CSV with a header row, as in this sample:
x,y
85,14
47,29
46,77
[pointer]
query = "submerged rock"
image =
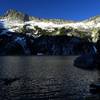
x,y
85,62
95,88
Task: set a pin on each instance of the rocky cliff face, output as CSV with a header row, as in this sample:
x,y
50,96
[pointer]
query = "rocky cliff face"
x,y
34,36
19,44
12,15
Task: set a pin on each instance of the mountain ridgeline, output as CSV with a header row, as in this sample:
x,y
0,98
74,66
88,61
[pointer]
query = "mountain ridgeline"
x,y
17,15
21,34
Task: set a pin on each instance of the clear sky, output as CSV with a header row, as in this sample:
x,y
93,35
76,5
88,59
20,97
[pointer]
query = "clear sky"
x,y
64,9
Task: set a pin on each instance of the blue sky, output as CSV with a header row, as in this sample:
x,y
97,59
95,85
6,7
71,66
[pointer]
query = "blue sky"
x,y
64,9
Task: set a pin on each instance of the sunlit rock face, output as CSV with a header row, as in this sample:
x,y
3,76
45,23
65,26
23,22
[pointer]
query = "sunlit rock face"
x,y
15,15
39,36
16,21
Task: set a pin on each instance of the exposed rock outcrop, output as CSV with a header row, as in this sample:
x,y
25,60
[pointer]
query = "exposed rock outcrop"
x,y
13,43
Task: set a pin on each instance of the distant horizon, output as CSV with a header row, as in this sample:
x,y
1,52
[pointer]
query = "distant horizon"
x,y
75,10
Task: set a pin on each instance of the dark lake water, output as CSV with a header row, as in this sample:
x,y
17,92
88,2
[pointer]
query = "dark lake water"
x,y
43,78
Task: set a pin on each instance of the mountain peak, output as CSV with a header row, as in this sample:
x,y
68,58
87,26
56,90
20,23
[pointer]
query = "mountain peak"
x,y
13,14
96,19
11,11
